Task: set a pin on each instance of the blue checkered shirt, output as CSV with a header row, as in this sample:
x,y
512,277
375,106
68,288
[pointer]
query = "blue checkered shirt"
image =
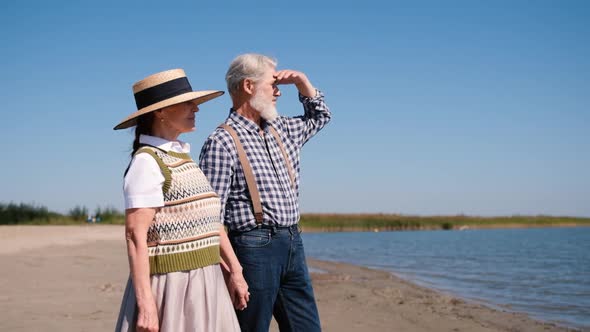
x,y
220,163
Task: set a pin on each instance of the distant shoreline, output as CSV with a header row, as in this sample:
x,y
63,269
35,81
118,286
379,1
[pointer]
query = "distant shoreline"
x,y
393,222
312,229
386,222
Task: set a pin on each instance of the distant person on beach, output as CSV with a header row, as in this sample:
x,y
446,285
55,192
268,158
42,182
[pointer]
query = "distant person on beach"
x,y
173,229
252,161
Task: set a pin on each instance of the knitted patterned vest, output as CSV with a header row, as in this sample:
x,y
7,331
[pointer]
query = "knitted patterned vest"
x,y
185,232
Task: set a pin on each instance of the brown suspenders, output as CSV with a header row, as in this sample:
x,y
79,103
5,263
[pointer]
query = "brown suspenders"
x,y
285,156
249,174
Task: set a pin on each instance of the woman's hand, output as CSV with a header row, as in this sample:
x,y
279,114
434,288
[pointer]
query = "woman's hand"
x,y
147,318
238,290
137,223
232,273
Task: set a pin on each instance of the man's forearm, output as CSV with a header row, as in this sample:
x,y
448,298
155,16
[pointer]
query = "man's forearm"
x,y
306,89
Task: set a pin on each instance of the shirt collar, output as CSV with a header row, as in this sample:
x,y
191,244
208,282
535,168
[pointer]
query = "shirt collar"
x,y
164,144
247,123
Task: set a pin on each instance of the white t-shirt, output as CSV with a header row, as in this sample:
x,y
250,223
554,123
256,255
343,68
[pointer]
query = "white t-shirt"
x,y
143,183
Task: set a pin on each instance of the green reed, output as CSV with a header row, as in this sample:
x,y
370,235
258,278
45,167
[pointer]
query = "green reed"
x,y
396,222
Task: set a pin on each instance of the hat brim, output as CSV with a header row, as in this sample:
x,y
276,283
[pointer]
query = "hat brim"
x,y
198,97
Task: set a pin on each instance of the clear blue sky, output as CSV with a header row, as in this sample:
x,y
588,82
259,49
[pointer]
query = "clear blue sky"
x,y
438,107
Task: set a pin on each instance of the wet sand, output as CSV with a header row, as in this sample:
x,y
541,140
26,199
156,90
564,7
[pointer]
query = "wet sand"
x,y
71,278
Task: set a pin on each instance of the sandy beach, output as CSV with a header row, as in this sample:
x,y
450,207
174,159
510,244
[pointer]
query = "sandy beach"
x,y
71,278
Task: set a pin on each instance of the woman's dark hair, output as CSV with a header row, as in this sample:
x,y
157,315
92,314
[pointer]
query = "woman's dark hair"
x,y
144,126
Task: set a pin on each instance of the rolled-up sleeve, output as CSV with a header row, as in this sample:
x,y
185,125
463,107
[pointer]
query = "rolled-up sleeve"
x,y
143,183
316,115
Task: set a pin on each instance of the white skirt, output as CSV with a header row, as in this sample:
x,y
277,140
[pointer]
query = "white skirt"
x,y
195,300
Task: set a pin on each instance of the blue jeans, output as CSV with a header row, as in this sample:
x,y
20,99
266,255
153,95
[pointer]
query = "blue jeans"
x,y
278,281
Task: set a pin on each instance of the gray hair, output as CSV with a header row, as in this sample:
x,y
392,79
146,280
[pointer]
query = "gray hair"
x,y
250,65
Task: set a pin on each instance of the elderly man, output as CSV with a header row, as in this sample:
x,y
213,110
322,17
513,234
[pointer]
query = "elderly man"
x,y
252,162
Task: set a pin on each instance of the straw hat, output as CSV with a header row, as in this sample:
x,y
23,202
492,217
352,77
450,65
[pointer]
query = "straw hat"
x,y
164,89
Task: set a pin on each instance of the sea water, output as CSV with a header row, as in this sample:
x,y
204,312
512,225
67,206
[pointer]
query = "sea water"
x,y
544,272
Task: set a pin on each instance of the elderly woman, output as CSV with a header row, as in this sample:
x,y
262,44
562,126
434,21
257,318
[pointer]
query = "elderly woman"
x,y
175,238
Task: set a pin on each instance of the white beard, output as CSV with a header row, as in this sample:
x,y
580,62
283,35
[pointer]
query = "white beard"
x,y
267,110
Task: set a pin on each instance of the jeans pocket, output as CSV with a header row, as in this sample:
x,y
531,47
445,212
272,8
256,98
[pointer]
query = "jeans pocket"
x,y
252,239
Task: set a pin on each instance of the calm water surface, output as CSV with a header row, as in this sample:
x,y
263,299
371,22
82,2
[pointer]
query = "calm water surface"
x,y
544,272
